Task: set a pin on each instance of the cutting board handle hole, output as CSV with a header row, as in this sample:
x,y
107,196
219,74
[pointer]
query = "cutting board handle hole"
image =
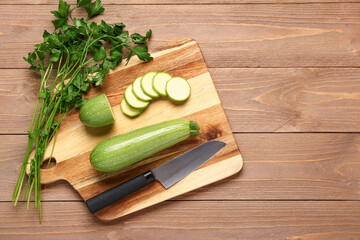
x,y
48,163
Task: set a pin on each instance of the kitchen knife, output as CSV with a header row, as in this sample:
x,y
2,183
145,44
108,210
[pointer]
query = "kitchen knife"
x,y
167,174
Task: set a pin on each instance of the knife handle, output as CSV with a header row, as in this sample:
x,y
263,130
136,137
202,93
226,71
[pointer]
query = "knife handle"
x,y
120,191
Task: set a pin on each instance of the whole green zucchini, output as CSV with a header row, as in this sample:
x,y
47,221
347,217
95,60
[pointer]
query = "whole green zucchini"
x,y
123,150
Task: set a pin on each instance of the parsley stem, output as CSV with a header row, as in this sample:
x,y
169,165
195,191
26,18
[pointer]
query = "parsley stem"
x,y
68,48
29,195
71,12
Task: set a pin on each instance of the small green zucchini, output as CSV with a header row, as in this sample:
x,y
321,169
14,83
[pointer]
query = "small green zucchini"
x,y
123,150
96,112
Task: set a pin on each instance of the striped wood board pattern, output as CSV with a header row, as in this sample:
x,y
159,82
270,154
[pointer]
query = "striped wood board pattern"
x,y
74,143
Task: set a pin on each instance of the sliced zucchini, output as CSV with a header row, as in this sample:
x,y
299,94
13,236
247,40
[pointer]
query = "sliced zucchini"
x,y
139,93
146,84
178,89
132,100
97,112
159,82
129,111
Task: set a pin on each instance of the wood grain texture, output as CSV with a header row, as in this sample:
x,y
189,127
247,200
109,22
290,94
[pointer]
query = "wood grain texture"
x,y
172,2
277,166
18,94
251,35
191,220
290,100
12,151
294,166
255,100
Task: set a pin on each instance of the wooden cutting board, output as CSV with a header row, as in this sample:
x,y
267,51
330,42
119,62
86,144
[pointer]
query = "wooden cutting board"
x,y
74,143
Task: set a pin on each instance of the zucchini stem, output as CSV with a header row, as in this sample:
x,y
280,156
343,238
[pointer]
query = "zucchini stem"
x,y
194,129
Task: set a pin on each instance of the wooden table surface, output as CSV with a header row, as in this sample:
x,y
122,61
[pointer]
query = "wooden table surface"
x,y
288,75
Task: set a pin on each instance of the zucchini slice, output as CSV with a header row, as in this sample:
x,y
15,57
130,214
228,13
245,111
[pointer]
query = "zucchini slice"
x,y
159,82
129,111
138,92
178,89
147,86
132,100
97,112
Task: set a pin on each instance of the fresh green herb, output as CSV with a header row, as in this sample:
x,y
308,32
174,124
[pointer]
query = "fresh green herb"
x,y
94,9
69,51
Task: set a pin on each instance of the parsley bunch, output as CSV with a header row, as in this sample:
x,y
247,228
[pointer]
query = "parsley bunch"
x,y
69,51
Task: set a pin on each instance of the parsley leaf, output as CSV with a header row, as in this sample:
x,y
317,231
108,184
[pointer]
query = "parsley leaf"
x,y
113,63
44,93
148,34
142,53
57,14
137,38
81,3
129,55
99,54
58,23
63,8
46,36
94,9
82,26
55,55
81,102
61,14
115,54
